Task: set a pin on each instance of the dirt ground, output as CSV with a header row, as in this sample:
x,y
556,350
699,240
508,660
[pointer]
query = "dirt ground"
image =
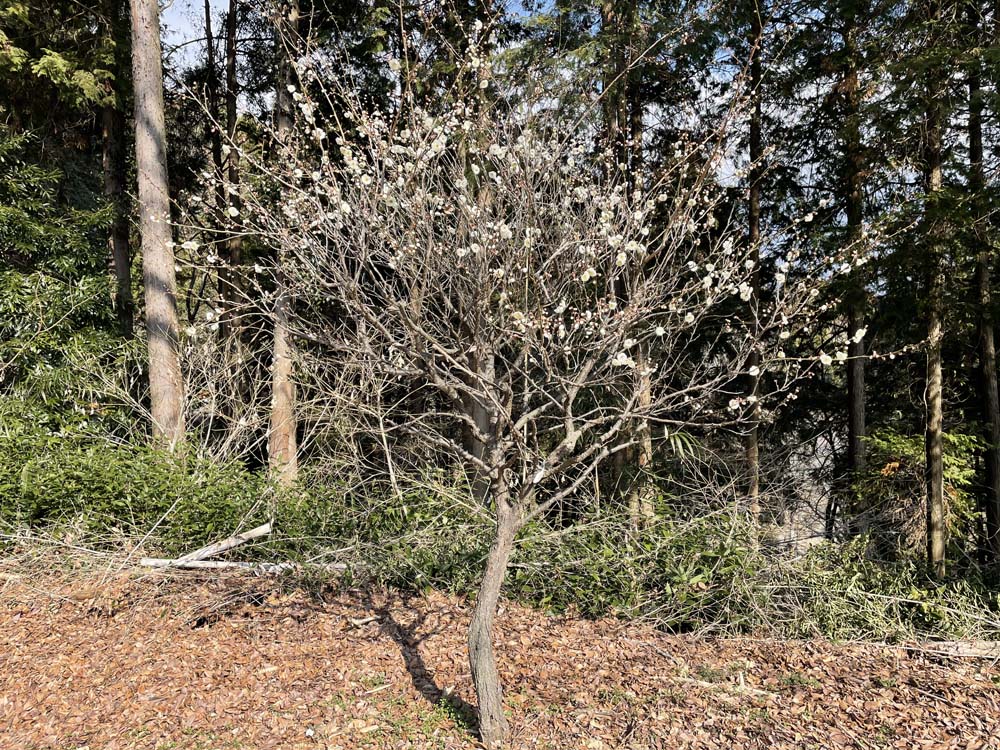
x,y
241,662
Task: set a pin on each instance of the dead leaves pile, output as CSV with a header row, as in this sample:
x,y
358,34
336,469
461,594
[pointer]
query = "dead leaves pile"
x,y
237,662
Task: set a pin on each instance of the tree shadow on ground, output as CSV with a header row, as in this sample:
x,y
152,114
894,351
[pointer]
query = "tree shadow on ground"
x,y
408,639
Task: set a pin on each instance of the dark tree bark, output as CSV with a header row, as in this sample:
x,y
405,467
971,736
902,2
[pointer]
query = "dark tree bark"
x,y
113,133
614,101
856,294
933,396
234,244
988,392
752,446
622,112
120,250
212,89
165,384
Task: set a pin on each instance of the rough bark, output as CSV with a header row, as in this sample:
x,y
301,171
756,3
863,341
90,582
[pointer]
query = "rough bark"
x,y
933,396
641,506
165,384
234,243
215,140
988,391
212,89
493,725
479,411
752,445
622,112
119,248
282,445
113,127
614,99
856,295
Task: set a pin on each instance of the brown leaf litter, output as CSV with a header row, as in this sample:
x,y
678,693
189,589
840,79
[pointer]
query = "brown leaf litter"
x,y
236,662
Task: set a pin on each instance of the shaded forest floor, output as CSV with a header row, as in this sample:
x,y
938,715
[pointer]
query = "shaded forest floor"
x,y
239,662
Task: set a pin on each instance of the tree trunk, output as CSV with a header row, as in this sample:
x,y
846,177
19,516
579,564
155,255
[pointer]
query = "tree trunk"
x,y
212,86
752,446
988,392
234,244
113,132
483,364
282,443
641,507
493,726
120,251
165,384
215,139
933,397
856,294
614,99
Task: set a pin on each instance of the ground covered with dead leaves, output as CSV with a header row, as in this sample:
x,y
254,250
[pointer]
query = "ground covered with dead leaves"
x,y
240,662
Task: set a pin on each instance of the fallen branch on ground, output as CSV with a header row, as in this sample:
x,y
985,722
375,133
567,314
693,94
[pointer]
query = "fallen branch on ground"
x,y
226,544
196,560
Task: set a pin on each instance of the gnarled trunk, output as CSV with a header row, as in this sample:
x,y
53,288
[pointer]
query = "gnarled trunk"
x,y
493,725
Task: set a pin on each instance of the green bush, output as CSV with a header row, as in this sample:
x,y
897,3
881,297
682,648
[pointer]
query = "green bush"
x,y
890,498
103,492
706,572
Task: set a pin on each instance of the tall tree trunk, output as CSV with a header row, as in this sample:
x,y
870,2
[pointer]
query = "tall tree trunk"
x,y
611,146
622,112
614,97
856,293
282,445
234,244
988,392
212,86
641,506
493,726
752,446
113,158
631,111
165,384
933,396
113,127
215,139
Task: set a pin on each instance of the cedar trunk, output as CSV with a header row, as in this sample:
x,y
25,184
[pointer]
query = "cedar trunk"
x,y
113,132
165,384
856,294
234,244
988,392
753,246
282,445
120,251
933,397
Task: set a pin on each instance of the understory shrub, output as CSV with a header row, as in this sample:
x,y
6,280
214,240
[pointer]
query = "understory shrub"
x,y
96,492
707,572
